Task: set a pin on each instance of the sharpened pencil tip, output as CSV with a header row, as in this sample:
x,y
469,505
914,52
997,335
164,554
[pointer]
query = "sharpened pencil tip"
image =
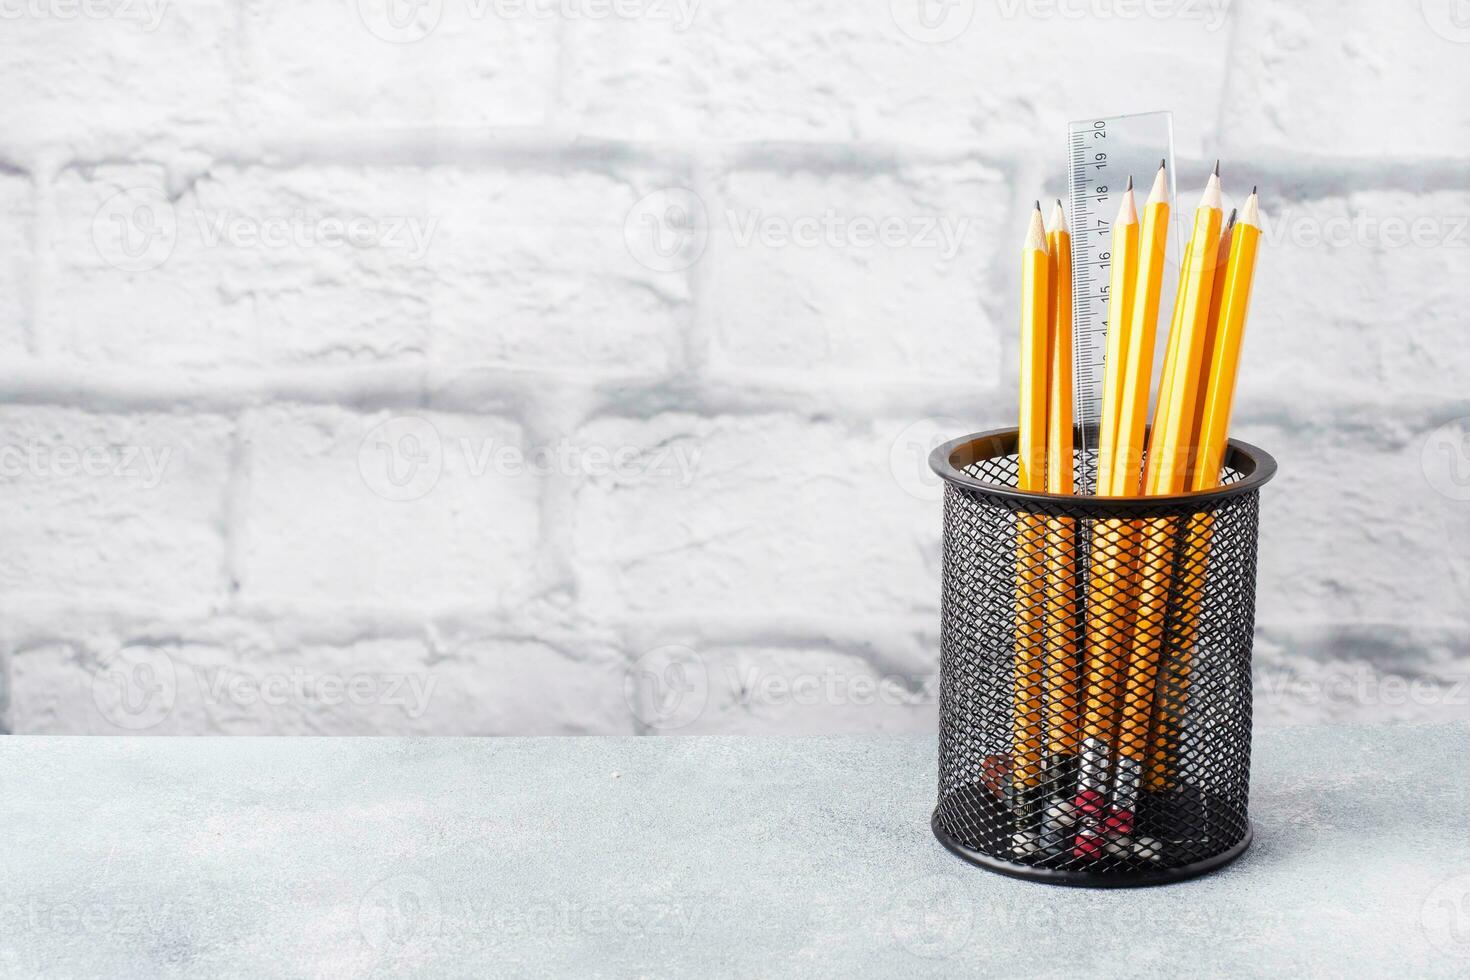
x,y
1058,221
1211,196
1162,163
1036,233
1159,193
1250,211
1217,168
1130,183
1253,187
1038,205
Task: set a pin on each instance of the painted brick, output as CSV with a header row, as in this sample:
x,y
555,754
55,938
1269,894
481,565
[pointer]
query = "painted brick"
x,y
1353,530
334,265
246,266
840,71
770,514
1375,282
454,63
1357,79
538,269
877,273
402,507
100,506
17,224
141,73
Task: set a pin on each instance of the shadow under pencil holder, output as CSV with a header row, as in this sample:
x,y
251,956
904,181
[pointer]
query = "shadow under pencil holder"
x,y
1095,675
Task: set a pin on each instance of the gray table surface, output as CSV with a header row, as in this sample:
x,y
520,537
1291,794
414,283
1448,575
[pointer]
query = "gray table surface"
x,y
685,857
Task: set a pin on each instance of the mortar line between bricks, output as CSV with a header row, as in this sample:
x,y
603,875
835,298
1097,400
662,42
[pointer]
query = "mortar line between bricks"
x,y
871,639
507,393
1303,176
233,509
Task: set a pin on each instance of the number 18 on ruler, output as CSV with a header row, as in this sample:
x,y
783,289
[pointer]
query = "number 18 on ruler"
x,y
1102,154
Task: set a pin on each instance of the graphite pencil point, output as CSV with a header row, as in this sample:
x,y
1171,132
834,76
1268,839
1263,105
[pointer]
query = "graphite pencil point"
x,y
1211,197
1036,232
1058,220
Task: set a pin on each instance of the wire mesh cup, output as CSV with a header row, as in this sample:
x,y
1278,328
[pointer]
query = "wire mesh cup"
x,y
1095,682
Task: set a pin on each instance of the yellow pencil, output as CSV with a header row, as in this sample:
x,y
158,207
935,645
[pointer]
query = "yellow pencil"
x,y
1139,358
1113,657
1229,309
1029,691
1063,734
1108,623
1172,690
1181,382
1212,334
1220,391
1165,475
1171,352
1123,256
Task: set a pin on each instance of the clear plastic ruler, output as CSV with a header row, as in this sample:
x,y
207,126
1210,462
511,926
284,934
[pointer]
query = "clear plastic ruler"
x,y
1102,153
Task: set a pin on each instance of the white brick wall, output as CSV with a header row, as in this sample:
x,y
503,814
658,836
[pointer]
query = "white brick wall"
x,y
566,365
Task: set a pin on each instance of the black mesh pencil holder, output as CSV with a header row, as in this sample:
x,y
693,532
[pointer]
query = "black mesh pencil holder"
x,y
1095,682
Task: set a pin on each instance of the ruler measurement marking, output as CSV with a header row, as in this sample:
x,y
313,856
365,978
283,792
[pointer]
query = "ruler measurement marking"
x,y
1129,144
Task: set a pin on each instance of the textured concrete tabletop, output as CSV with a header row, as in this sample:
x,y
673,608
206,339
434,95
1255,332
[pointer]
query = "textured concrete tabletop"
x,y
685,857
